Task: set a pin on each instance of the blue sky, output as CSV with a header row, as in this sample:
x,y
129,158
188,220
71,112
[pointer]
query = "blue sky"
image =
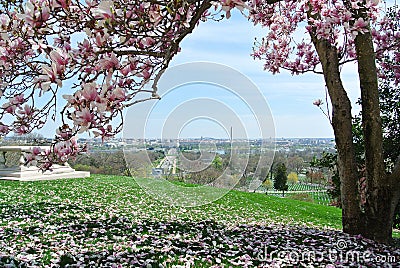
x,y
230,42
202,99
290,97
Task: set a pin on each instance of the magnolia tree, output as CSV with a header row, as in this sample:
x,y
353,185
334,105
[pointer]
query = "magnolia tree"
x,y
103,53
334,33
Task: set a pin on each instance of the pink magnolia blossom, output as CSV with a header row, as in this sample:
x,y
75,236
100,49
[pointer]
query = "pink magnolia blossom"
x,y
117,95
89,92
69,98
9,108
36,150
36,15
59,58
104,10
335,23
85,46
49,76
147,42
63,150
145,74
105,133
109,62
360,26
61,3
18,99
228,5
126,70
318,102
4,129
38,45
110,53
84,117
155,17
64,133
4,21
26,111
101,39
29,157
21,130
101,106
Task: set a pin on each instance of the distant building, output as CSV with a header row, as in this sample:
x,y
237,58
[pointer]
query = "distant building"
x,y
157,171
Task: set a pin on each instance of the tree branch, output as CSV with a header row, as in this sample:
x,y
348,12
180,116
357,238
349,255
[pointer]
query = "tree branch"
x,y
137,52
203,8
273,1
174,48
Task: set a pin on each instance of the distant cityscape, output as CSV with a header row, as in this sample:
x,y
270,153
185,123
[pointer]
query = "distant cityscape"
x,y
197,160
278,144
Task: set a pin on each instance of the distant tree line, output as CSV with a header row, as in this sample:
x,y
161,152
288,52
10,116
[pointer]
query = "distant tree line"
x,y
112,162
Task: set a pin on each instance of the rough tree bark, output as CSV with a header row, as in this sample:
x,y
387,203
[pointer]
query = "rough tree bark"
x,y
352,218
379,220
381,192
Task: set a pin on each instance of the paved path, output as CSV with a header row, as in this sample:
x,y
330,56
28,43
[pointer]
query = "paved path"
x,y
169,161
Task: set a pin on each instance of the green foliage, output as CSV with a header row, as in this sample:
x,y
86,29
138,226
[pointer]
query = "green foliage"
x,y
113,162
204,176
396,218
315,173
217,162
295,163
293,178
82,167
66,260
280,182
389,98
267,184
329,161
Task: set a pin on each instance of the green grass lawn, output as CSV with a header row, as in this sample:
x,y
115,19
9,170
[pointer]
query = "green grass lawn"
x,y
109,219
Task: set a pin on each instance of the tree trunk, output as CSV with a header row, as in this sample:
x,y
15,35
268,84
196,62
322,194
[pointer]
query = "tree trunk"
x,y
378,216
352,216
382,192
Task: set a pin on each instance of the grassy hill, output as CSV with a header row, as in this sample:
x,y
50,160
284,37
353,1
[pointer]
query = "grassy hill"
x,y
109,220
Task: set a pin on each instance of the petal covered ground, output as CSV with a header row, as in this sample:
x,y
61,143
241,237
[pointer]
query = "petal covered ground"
x,y
107,221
